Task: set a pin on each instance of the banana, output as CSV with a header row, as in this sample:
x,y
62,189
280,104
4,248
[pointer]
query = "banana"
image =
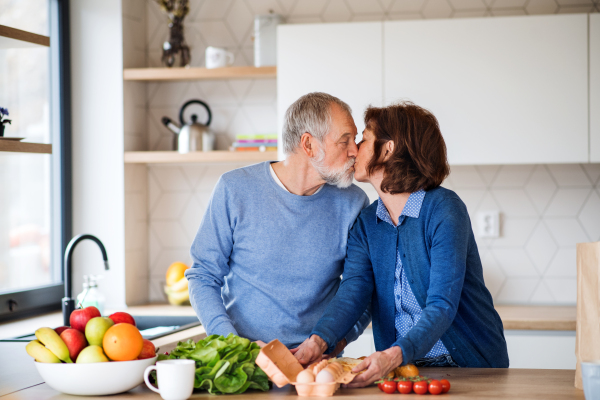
x,y
54,343
36,350
178,286
179,298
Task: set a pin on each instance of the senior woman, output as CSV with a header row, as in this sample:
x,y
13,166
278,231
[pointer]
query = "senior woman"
x,y
412,254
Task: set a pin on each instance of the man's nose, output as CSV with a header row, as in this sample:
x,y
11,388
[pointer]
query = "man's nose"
x,y
353,150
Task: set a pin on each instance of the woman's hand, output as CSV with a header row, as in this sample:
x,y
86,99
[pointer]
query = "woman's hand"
x,y
260,343
375,366
310,350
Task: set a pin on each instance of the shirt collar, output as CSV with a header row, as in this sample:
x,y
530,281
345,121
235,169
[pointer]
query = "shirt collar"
x,y
412,208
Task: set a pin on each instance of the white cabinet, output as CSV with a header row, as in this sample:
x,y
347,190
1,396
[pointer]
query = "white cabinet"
x,y
510,90
594,87
541,349
344,60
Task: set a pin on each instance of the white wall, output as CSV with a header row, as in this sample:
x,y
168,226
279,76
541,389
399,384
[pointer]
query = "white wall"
x,y
97,137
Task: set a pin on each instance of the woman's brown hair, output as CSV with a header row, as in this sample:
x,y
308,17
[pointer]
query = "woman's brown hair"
x,y
419,157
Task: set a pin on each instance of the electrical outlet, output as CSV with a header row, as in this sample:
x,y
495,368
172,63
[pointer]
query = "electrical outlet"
x,y
488,223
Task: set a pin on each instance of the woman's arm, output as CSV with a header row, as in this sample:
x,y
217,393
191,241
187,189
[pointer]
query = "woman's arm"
x,y
450,230
349,303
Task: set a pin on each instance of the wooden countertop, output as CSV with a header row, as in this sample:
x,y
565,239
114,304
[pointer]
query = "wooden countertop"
x,y
467,383
544,318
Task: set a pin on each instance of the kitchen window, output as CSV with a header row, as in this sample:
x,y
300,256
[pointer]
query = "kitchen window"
x,y
35,189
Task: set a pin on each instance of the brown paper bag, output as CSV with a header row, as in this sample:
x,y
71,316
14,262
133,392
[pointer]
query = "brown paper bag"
x,y
587,344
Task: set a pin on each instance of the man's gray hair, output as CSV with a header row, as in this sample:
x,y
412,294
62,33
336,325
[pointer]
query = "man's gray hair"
x,y
310,113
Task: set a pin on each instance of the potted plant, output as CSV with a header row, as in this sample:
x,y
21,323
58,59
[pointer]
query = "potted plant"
x,y
3,120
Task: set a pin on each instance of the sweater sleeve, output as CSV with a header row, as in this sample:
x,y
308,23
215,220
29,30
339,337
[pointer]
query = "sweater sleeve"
x,y
210,253
360,326
353,296
449,232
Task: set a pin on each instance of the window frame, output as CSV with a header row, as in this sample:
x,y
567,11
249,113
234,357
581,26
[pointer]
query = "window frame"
x,y
39,300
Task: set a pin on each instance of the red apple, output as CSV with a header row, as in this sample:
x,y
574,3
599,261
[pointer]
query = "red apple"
x,y
60,329
122,318
75,341
148,350
79,318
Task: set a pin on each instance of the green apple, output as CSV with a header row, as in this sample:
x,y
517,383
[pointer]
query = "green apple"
x,y
96,328
91,354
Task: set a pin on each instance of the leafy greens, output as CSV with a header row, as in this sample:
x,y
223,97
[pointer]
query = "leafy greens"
x,y
223,364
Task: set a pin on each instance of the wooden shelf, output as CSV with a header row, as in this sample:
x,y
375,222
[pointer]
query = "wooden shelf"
x,y
24,147
15,38
192,74
165,157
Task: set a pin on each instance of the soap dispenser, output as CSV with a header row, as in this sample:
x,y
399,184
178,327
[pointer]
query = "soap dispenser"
x,y
91,296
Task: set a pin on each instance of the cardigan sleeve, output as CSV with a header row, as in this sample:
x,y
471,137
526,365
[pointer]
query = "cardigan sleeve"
x,y
448,231
350,303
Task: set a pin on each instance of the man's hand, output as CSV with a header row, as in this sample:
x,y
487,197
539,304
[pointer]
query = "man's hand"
x,y
338,349
260,343
310,350
375,366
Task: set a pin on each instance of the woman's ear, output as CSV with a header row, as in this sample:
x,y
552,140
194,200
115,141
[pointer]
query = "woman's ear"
x,y
389,149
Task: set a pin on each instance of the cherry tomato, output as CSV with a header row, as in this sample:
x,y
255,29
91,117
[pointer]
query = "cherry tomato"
x,y
380,385
388,387
405,387
445,385
420,387
435,387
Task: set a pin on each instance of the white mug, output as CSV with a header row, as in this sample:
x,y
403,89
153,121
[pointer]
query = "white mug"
x,y
175,378
217,57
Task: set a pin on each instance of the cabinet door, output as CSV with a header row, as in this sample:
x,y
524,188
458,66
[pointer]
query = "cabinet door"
x,y
510,90
595,87
344,60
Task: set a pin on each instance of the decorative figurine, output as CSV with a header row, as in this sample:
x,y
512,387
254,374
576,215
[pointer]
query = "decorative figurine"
x,y
176,10
3,120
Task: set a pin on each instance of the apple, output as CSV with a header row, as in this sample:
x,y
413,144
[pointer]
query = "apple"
x,y
91,354
74,340
60,329
122,318
148,350
96,328
79,318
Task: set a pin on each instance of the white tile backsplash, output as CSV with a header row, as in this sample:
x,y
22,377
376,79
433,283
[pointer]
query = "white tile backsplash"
x,y
545,209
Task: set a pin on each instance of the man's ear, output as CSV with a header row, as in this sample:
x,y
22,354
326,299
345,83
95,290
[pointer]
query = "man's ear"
x,y
307,144
388,149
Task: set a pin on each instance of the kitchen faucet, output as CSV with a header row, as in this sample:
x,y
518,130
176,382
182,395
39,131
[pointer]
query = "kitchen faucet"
x,y
68,303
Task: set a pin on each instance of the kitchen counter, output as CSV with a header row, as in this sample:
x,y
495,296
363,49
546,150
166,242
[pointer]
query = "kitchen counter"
x,y
467,383
553,318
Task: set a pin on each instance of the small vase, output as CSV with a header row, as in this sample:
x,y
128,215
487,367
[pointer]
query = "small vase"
x,y
1,130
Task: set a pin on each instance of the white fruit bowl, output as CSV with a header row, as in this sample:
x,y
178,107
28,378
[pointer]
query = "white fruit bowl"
x,y
94,379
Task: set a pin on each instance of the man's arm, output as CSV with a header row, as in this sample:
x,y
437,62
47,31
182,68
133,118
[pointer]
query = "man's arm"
x,y
210,252
360,326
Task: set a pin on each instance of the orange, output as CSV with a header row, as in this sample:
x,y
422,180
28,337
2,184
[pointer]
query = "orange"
x,y
122,342
175,272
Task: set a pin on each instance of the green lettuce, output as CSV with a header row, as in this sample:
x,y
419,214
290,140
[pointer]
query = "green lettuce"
x,y
224,365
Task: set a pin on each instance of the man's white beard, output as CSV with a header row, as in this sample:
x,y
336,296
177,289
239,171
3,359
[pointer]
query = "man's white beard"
x,y
342,178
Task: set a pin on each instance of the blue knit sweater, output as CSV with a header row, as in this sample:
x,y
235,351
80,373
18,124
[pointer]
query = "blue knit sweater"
x,y
267,262
443,267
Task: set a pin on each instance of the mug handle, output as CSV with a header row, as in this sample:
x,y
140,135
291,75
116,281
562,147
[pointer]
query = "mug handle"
x,y
230,58
146,373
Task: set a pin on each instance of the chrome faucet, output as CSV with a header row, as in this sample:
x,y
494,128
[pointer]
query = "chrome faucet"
x,y
68,303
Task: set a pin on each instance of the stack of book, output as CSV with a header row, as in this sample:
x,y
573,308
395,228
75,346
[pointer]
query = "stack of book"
x,y
262,142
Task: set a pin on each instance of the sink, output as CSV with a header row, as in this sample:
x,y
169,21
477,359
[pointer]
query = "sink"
x,y
150,326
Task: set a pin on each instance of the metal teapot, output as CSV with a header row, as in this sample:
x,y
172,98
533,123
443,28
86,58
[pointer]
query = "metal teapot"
x,y
194,136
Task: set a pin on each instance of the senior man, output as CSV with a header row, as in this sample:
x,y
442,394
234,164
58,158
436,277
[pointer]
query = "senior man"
x,y
270,249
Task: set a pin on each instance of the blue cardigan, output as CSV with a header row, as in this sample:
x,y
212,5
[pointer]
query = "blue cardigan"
x,y
443,267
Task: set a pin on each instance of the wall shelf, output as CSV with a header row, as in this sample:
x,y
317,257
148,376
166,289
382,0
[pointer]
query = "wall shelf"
x,y
166,157
13,146
192,74
11,38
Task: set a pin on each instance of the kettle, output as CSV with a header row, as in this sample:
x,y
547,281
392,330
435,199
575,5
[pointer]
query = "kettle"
x,y
194,136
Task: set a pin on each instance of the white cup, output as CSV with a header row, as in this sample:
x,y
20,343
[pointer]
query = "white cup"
x,y
218,58
175,378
